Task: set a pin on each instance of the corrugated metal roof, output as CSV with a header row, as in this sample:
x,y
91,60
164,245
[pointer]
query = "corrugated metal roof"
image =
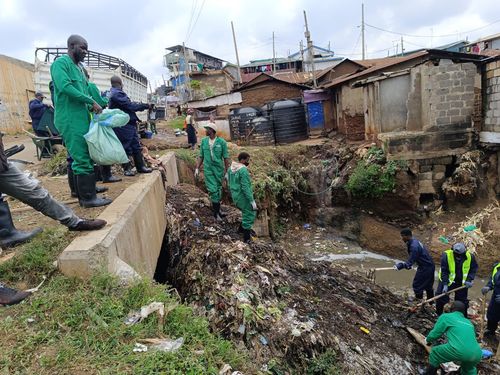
x,y
375,65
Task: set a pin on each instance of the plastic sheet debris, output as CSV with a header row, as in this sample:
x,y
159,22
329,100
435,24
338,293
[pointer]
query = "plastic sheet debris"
x,y
486,353
164,345
145,311
444,240
139,348
263,340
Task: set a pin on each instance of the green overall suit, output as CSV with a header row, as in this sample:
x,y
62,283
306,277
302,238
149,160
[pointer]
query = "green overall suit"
x,y
461,346
240,185
96,95
72,116
213,166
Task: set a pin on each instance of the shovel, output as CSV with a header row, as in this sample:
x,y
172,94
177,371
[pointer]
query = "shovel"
x,y
372,272
415,308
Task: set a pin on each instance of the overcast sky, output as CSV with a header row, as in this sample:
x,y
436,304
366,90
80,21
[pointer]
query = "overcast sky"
x,y
138,32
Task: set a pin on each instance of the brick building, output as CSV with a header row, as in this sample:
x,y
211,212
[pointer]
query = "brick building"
x,y
265,88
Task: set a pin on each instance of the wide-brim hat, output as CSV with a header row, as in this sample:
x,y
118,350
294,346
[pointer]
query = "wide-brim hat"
x,y
211,125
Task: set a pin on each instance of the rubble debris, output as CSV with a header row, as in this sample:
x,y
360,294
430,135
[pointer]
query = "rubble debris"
x,y
282,305
466,178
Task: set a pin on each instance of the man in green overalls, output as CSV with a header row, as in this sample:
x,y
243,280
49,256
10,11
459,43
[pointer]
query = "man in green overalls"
x,y
72,117
215,158
240,185
461,345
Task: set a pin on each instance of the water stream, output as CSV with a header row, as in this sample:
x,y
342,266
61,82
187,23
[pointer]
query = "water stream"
x,y
322,246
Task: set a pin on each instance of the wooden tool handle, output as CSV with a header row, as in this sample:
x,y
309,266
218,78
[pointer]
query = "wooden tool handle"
x,y
439,296
383,269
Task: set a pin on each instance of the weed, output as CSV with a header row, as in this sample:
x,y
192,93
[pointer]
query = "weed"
x,y
187,155
57,164
176,123
324,364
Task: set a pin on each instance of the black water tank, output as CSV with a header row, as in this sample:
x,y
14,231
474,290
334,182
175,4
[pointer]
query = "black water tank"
x,y
289,119
239,120
260,132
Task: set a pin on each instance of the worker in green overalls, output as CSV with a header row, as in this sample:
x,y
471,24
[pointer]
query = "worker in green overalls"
x,y
240,186
215,158
461,345
73,104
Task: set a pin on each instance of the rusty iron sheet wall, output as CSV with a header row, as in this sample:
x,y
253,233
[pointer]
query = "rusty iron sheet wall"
x,y
16,90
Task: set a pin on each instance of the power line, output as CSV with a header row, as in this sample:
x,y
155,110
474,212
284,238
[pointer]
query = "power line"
x,y
430,36
194,3
196,21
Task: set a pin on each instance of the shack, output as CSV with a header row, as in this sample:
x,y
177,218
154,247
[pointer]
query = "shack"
x,y
16,90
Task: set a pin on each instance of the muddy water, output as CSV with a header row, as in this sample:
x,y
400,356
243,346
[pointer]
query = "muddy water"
x,y
322,246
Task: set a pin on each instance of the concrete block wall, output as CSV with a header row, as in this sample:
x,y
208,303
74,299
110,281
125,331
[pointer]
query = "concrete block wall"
x,y
258,95
492,103
432,174
451,89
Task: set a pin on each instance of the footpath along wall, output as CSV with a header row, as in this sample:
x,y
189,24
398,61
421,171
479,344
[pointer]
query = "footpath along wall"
x,y
130,243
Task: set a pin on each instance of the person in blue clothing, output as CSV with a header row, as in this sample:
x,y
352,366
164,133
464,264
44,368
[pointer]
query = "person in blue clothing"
x,y
128,134
417,253
36,110
458,268
493,314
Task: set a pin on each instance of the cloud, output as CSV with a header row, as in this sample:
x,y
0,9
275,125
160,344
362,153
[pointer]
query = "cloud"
x,y
139,32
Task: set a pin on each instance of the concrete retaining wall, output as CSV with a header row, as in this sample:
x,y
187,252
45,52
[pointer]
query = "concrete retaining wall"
x,y
131,242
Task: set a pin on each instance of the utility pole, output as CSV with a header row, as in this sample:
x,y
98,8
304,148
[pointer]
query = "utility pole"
x,y
301,46
329,46
186,71
310,50
402,48
363,31
274,57
237,56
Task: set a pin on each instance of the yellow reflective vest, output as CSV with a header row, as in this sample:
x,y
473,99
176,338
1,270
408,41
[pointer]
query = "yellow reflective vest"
x,y
451,266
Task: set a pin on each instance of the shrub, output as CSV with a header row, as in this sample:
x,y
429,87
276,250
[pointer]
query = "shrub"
x,y
372,180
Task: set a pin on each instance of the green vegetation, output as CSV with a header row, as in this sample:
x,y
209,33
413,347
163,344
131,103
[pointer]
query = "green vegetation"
x,y
176,123
195,84
373,176
187,155
324,364
57,165
74,326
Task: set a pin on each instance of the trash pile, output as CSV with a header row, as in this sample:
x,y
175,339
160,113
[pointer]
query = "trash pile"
x,y
281,306
466,179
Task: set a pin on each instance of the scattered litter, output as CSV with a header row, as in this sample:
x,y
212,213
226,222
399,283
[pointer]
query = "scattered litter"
x,y
365,330
241,329
358,350
139,348
30,320
263,340
165,345
145,311
33,290
486,353
450,367
197,223
225,370
470,228
307,226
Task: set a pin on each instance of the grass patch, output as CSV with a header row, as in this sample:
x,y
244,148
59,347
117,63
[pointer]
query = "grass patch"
x,y
176,123
78,328
187,155
324,364
57,164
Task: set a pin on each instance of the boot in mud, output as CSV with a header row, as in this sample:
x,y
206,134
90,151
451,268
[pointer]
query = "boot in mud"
x,y
247,236
107,176
216,211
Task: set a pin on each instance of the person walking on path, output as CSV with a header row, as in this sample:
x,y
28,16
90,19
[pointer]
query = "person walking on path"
x,y
214,156
240,185
191,129
72,102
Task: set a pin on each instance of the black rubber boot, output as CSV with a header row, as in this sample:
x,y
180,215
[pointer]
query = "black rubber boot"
x,y
10,296
216,211
247,236
107,176
97,172
71,182
431,370
9,235
87,192
127,170
140,165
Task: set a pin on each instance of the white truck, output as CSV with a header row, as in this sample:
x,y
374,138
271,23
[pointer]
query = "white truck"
x,y
100,67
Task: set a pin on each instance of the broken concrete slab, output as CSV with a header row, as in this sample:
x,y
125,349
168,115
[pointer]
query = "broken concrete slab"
x,y
131,241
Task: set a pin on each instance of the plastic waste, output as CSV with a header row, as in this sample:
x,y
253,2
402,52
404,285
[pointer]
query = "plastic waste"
x,y
169,346
104,146
444,240
470,228
263,340
113,118
486,353
365,330
139,348
144,312
307,226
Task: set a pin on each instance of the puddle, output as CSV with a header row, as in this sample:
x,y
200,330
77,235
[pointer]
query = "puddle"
x,y
325,247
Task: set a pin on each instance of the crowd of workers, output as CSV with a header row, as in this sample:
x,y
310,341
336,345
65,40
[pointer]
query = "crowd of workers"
x,y
457,272
76,98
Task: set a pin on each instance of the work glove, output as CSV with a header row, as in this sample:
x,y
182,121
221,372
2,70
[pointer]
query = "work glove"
x,y
400,266
254,206
445,288
468,284
196,173
485,290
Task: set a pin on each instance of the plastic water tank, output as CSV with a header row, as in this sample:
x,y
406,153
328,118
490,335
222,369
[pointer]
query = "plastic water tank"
x,y
289,120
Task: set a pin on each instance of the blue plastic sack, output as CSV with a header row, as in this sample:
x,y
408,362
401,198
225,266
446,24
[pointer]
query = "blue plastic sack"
x,y
113,118
104,146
